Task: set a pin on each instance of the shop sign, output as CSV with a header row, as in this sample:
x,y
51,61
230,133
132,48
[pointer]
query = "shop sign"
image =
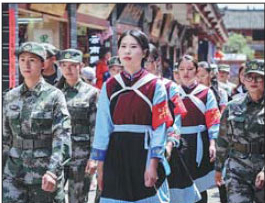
x,y
131,14
157,24
54,9
94,49
43,36
96,10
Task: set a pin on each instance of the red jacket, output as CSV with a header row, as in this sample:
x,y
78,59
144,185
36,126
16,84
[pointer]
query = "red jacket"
x,y
101,68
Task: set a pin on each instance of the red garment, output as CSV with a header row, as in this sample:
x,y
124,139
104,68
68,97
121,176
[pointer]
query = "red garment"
x,y
101,68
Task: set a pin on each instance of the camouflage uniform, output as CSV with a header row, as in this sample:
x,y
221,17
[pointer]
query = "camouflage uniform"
x,y
241,139
81,102
36,139
228,86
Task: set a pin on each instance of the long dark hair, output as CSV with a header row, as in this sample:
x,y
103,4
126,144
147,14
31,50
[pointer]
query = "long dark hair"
x,y
141,38
188,58
241,68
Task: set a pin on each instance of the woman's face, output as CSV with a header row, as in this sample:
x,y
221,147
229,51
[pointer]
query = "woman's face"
x,y
176,77
254,83
187,72
114,70
241,75
70,70
130,53
203,76
30,65
151,65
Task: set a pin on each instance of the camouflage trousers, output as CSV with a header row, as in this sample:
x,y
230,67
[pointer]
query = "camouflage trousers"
x,y
240,182
15,191
78,184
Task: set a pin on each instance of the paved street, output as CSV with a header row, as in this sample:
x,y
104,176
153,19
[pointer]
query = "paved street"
x,y
213,195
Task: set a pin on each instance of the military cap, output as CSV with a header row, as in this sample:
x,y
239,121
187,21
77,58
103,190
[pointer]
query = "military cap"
x,y
214,68
88,73
114,61
204,65
224,67
255,66
71,55
33,48
176,67
50,49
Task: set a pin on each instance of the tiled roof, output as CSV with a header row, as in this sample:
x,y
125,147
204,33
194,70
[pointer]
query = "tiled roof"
x,y
244,19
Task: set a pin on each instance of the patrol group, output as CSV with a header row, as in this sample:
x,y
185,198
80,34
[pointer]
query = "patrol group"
x,y
148,134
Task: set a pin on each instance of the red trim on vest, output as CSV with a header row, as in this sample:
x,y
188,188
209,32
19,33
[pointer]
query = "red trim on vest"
x,y
161,114
179,106
212,117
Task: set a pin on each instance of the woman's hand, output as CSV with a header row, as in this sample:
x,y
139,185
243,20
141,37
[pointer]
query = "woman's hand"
x,y
150,175
212,150
91,167
218,178
169,148
100,175
48,182
259,183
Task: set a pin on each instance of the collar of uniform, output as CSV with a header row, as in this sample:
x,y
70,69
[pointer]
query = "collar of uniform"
x,y
249,100
188,89
134,75
74,88
35,90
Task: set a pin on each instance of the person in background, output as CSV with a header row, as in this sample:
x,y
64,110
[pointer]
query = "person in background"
x,y
199,127
115,67
36,134
223,76
166,69
51,73
240,89
206,76
102,67
182,188
131,127
176,74
81,101
89,76
241,139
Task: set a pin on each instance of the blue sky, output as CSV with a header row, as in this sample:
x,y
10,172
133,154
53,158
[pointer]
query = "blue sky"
x,y
242,6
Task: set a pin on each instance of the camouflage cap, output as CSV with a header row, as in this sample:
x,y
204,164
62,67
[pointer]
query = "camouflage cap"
x,y
205,65
224,67
214,68
114,61
176,67
51,50
71,55
255,66
33,48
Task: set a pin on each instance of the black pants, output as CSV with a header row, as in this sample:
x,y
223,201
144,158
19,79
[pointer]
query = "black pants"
x,y
222,192
204,197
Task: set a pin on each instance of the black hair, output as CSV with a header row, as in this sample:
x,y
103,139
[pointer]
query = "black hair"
x,y
141,38
188,58
153,51
103,51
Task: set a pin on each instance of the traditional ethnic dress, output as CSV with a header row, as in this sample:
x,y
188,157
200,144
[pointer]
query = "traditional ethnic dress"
x,y
181,184
198,127
131,127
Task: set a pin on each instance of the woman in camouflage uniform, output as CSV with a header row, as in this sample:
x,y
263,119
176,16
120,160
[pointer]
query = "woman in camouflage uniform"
x,y
81,101
36,135
241,138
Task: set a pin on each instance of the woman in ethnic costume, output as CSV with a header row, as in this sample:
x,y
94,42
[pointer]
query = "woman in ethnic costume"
x,y
130,134
200,126
182,189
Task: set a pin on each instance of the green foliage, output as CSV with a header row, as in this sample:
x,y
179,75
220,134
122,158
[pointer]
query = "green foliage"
x,y
237,44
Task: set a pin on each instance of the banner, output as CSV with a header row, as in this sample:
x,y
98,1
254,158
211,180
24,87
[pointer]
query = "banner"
x,y
12,48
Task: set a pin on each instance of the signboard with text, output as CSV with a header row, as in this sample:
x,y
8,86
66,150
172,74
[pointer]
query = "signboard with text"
x,y
94,49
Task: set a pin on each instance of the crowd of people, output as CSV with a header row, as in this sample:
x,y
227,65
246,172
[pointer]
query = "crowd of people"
x,y
147,137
